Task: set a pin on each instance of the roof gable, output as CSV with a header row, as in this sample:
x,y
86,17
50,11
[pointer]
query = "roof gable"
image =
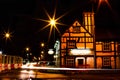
x,y
76,27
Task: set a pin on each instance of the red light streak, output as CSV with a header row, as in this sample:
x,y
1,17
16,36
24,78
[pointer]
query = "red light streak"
x,y
103,1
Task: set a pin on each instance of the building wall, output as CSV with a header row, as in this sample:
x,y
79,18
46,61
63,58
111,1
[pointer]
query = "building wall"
x,y
80,37
111,52
88,53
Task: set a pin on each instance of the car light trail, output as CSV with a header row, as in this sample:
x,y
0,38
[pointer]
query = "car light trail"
x,y
72,69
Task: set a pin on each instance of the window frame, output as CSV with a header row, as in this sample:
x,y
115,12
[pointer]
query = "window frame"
x,y
71,44
106,61
106,46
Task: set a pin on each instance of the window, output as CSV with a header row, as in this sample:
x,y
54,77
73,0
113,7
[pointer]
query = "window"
x,y
106,61
76,29
70,62
71,44
106,46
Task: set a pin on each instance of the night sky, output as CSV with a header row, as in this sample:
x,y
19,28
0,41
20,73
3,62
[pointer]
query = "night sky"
x,y
20,17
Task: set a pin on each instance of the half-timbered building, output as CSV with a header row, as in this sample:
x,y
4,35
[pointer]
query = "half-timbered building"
x,y
79,47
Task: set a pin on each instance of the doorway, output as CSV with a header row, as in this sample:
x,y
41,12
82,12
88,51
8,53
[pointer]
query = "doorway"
x,y
80,61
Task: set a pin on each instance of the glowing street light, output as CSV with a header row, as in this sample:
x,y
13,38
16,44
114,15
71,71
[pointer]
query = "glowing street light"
x,y
42,52
27,48
52,22
42,44
7,35
28,54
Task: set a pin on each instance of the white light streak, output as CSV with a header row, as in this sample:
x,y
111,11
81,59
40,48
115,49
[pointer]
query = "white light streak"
x,y
73,69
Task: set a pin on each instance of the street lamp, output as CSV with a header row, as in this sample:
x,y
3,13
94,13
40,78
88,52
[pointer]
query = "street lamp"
x,y
27,53
7,35
50,51
52,22
42,44
27,49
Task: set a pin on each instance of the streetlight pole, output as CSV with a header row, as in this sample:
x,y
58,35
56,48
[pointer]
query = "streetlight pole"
x,y
27,53
42,51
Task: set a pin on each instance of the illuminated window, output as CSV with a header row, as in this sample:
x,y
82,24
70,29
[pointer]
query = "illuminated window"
x,y
106,61
71,44
76,29
89,39
106,46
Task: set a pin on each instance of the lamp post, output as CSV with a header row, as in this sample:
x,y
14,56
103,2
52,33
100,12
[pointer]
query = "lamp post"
x,y
42,51
27,53
53,25
55,59
7,36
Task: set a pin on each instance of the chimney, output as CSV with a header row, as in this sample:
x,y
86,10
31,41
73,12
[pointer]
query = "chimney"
x,y
88,21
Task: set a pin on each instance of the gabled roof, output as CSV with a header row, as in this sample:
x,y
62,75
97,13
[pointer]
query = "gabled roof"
x,y
68,26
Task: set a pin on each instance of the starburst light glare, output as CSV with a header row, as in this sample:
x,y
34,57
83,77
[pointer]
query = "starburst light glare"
x,y
52,22
7,35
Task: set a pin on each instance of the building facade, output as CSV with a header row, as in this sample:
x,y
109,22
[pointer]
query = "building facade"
x,y
80,49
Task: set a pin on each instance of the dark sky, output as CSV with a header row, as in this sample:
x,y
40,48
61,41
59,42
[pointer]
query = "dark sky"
x,y
19,17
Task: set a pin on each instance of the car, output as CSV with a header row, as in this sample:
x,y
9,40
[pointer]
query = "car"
x,y
51,63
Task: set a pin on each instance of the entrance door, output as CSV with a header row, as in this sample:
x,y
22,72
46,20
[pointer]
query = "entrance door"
x,y
80,63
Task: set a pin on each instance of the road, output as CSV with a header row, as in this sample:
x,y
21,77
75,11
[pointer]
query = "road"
x,y
37,75
26,74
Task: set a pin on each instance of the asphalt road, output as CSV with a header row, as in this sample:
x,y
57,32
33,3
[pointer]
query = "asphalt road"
x,y
37,75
